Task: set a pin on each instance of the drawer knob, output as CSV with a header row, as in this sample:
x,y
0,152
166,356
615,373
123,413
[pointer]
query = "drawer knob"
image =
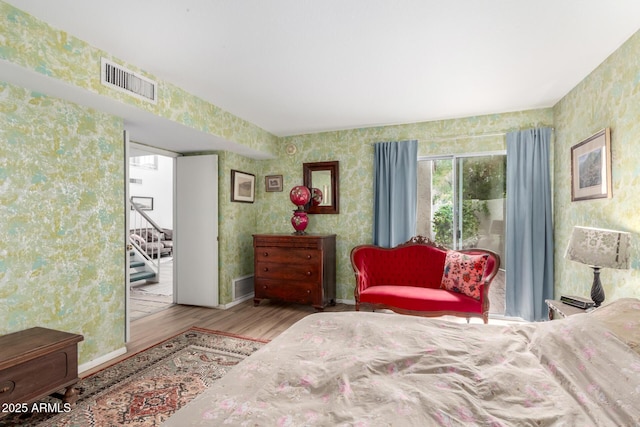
x,y
266,269
266,254
308,256
7,386
308,291
308,273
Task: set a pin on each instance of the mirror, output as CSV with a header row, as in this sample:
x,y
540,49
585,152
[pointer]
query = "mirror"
x,y
323,176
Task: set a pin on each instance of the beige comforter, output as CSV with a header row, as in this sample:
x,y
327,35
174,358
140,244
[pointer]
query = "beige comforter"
x,y
377,369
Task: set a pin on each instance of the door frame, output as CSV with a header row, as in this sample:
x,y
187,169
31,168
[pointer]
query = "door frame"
x,y
127,244
127,206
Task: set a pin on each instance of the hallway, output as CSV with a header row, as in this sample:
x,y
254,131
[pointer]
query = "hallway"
x,y
149,298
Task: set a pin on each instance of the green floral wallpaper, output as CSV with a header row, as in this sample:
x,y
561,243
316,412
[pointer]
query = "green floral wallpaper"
x,y
609,97
35,45
61,234
354,150
237,224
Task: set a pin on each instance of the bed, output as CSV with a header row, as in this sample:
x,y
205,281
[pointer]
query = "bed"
x,y
373,369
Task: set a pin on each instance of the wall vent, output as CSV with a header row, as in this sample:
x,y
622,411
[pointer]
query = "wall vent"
x,y
242,287
118,77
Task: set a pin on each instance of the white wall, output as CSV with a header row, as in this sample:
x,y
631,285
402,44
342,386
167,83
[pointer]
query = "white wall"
x,y
156,183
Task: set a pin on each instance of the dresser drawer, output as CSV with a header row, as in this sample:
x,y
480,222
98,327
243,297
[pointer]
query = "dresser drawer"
x,y
302,293
27,381
294,272
288,241
288,256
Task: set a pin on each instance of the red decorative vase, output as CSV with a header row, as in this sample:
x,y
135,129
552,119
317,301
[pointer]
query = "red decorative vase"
x,y
299,220
316,196
300,195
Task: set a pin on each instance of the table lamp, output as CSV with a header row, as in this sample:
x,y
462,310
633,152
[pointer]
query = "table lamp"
x,y
598,248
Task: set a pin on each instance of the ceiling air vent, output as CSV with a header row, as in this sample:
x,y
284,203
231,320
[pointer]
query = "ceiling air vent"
x,y
124,80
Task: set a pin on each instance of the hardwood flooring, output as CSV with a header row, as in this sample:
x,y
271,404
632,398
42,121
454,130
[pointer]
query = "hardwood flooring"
x,y
265,321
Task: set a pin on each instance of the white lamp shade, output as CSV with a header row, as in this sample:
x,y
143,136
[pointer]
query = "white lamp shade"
x,y
598,247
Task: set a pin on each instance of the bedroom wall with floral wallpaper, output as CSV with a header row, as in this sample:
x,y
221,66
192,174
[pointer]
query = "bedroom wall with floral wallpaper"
x,y
62,227
608,97
354,150
237,224
35,45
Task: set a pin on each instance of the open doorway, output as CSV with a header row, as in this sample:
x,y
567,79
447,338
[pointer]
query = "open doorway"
x,y
151,181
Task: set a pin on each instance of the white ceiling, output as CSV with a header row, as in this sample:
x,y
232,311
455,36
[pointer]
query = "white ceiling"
x,y
303,66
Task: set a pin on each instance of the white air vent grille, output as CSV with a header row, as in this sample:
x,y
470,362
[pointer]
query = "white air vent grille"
x,y
118,77
242,287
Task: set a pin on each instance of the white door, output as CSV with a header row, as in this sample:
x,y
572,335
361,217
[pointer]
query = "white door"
x,y
196,230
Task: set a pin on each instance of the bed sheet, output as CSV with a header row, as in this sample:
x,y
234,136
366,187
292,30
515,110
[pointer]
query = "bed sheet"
x,y
374,369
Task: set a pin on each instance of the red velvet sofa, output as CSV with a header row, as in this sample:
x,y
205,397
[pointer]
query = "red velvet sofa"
x,y
411,279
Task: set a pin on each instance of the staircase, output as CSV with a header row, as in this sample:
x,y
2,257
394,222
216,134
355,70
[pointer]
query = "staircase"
x,y
143,268
139,270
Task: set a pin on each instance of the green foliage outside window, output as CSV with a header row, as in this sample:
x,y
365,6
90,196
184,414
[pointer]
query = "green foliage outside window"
x,y
443,222
484,179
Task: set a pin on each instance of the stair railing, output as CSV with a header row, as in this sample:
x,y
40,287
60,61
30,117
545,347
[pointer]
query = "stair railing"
x,y
144,235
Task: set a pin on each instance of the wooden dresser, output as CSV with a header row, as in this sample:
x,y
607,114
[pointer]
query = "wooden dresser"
x,y
300,269
37,362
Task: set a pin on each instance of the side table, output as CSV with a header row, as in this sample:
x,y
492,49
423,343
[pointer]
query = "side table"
x,y
560,310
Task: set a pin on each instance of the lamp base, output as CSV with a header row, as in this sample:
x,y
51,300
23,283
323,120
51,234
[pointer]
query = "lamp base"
x,y
597,293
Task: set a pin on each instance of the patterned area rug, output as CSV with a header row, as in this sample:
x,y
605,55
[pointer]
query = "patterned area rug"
x,y
146,388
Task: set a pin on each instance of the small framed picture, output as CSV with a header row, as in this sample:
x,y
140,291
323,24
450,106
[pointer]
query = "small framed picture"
x,y
142,203
591,167
243,187
273,183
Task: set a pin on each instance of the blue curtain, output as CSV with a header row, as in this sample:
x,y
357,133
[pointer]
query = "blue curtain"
x,y
529,244
394,192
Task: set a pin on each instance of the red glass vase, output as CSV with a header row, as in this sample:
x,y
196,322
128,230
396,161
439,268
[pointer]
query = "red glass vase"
x,y
300,195
299,220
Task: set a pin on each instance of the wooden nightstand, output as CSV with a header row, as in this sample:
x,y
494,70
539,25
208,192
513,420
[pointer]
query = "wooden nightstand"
x,y
560,310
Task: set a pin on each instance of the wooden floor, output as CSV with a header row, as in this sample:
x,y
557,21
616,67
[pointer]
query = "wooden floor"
x,y
265,321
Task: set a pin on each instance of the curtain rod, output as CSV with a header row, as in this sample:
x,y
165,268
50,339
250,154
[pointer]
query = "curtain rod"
x,y
468,136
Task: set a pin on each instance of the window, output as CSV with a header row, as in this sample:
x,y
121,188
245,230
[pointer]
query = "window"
x,y
145,162
461,204
461,200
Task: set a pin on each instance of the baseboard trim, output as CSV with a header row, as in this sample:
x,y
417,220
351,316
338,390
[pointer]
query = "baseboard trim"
x,y
236,302
100,360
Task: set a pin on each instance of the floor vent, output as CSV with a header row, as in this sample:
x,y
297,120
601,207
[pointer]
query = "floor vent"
x,y
242,287
118,77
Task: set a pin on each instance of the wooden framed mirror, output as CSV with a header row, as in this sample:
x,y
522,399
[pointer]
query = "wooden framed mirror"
x,y
324,176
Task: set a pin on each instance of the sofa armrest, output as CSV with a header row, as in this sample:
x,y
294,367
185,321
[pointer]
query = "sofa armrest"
x,y
490,271
359,265
138,240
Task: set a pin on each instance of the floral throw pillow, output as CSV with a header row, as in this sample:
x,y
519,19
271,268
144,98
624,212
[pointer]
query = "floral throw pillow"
x,y
463,273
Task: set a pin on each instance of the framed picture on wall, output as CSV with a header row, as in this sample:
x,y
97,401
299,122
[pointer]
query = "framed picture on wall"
x,y
591,167
273,183
243,187
143,203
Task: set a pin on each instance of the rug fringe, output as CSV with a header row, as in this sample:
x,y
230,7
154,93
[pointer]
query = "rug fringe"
x,y
228,334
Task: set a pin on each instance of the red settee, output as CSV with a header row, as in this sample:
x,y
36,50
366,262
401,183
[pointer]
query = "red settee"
x,y
410,279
